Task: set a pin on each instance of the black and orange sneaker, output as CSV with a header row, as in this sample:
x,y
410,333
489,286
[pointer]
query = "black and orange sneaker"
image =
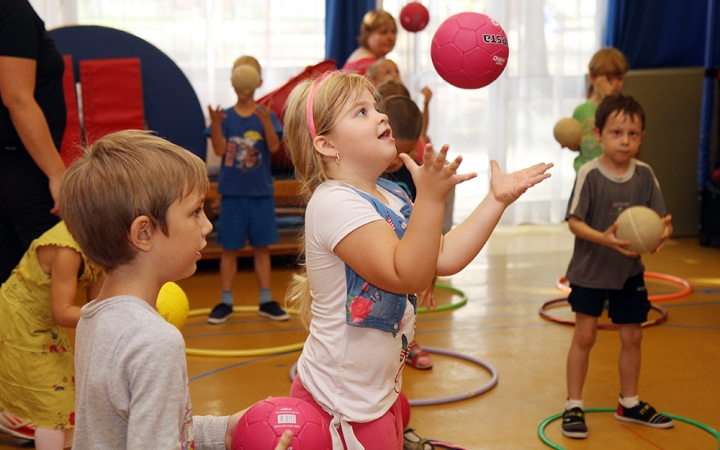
x,y
573,424
643,414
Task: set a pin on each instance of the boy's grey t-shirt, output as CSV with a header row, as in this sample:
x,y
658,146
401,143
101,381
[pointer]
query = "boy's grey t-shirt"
x,y
131,382
597,199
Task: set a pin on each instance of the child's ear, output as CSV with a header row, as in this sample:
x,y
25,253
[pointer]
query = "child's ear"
x,y
141,232
322,145
597,133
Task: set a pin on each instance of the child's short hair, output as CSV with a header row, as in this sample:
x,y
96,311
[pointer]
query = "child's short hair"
x,y
247,60
621,104
392,87
404,117
331,97
372,70
373,21
608,61
122,176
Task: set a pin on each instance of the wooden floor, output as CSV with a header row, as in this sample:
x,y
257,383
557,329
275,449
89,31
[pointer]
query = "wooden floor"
x,y
506,285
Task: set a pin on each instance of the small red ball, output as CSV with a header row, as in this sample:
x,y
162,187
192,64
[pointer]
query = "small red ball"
x,y
414,17
715,177
469,50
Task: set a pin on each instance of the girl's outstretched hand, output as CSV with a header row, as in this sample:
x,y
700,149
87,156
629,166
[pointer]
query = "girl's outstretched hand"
x,y
434,177
508,187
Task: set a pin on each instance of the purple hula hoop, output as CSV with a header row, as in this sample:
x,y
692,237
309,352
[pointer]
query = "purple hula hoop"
x,y
451,398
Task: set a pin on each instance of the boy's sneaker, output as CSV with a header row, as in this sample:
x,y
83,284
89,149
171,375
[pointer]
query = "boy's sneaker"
x,y
220,314
643,414
573,424
273,311
15,426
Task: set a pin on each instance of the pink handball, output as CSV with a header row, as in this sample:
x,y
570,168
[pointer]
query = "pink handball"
x,y
469,50
263,424
414,17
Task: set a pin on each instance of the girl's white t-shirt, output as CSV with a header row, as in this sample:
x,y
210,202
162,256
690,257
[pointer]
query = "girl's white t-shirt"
x,y
354,373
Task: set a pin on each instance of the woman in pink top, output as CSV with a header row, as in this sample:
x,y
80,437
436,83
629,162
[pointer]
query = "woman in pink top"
x,y
378,32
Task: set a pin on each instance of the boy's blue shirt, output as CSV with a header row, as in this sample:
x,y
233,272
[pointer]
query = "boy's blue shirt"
x,y
245,169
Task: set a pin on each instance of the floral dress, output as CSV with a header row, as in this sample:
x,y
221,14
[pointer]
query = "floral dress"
x,y
37,376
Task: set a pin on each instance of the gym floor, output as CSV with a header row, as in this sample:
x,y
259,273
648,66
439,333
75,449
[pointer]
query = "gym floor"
x,y
506,285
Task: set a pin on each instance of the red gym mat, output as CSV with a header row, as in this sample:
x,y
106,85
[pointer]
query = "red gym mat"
x,y
111,96
279,96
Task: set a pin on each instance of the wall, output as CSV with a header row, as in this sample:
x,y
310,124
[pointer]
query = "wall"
x,y
671,99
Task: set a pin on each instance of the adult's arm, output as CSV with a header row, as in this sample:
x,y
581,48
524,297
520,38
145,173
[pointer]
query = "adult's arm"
x,y
17,87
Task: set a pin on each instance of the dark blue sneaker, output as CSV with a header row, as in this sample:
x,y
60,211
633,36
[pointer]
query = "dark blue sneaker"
x,y
643,414
273,311
220,314
573,424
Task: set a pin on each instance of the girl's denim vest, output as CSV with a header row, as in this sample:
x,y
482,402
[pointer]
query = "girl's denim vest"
x,y
366,305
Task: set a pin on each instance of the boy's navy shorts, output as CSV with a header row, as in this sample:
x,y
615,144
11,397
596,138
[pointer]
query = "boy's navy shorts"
x,y
627,305
251,218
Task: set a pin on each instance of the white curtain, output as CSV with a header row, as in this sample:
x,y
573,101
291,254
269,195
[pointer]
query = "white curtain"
x,y
511,120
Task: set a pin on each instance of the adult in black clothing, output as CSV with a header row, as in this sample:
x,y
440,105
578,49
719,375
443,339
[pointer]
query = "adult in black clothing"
x,y
32,122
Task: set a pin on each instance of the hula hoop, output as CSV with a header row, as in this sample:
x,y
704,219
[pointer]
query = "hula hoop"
x,y
603,326
451,398
549,443
687,288
238,353
446,307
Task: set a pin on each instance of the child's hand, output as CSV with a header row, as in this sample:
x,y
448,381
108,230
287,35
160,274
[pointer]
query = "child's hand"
x,y
667,232
427,94
434,177
605,87
216,115
428,297
263,111
508,187
609,239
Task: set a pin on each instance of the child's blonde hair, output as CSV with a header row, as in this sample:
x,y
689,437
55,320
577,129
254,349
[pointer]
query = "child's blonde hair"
x,y
122,176
372,70
331,97
608,61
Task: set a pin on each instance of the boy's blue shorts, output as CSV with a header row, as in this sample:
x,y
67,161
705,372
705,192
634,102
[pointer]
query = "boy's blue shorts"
x,y
627,305
251,218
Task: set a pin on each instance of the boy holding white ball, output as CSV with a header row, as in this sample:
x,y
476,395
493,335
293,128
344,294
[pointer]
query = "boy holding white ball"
x,y
602,267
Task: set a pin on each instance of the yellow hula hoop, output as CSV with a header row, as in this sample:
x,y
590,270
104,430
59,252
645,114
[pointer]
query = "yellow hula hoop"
x,y
240,353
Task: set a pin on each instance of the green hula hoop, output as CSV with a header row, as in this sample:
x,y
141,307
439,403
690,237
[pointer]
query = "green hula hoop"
x,y
453,305
549,443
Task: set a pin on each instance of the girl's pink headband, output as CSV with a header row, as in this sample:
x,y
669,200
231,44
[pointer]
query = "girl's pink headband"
x,y
311,100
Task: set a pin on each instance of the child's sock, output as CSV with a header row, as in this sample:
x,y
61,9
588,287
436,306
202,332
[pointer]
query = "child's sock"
x,y
570,404
227,297
628,402
265,296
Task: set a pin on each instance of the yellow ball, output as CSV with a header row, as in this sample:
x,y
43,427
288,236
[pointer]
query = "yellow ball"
x,y
642,227
173,305
568,132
